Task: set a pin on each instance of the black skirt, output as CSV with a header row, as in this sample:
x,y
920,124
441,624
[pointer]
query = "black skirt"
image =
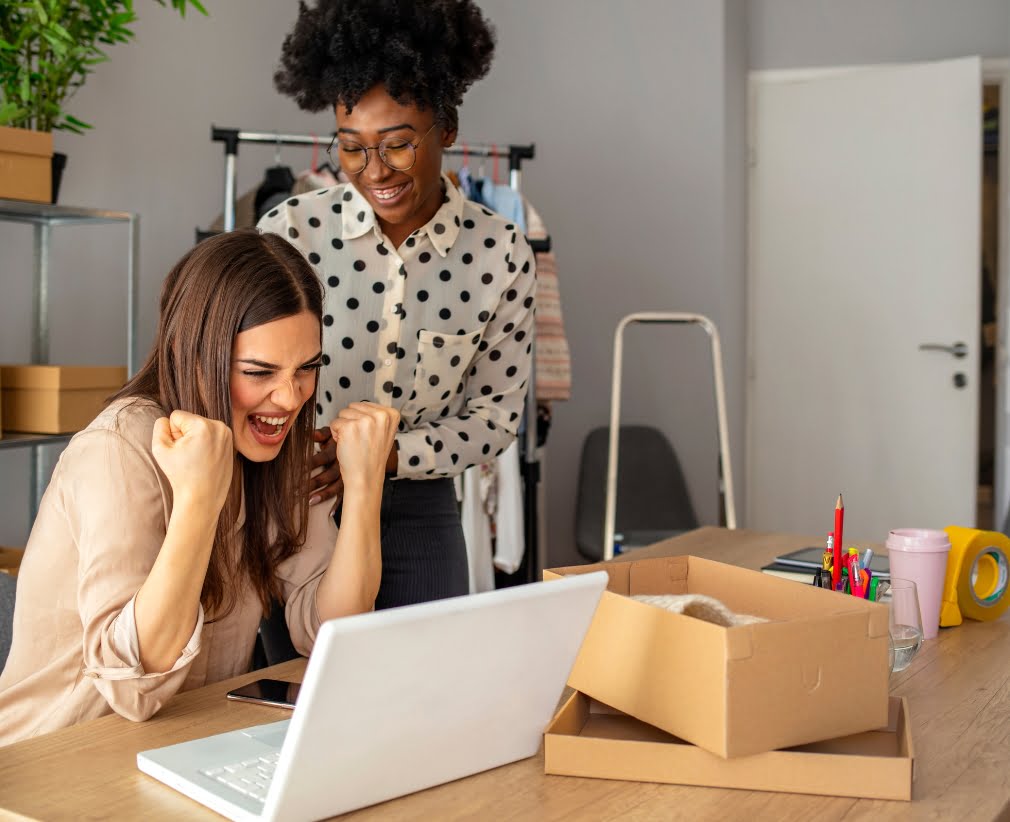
x,y
423,551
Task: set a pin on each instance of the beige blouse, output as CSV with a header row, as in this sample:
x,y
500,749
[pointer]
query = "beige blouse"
x,y
99,529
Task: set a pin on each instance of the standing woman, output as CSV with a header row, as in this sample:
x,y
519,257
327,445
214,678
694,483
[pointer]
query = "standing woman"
x,y
428,303
175,517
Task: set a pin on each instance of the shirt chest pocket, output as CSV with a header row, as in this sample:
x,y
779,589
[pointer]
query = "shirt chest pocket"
x,y
443,361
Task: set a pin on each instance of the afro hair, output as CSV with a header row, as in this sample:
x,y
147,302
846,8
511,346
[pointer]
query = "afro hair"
x,y
424,52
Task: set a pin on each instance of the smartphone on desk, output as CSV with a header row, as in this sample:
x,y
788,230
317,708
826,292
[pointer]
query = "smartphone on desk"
x,y
268,692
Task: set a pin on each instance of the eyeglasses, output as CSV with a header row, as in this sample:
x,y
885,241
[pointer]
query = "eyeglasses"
x,y
395,152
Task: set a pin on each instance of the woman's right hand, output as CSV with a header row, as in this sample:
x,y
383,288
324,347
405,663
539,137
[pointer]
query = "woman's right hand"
x,y
198,457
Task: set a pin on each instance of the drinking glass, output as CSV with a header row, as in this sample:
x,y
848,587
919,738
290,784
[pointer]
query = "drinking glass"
x,y
905,622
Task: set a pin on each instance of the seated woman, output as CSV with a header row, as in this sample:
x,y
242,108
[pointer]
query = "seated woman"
x,y
171,521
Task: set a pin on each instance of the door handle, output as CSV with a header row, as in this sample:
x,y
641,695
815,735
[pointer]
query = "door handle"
x,y
958,349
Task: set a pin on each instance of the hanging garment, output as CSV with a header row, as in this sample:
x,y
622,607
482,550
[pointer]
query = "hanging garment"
x,y
510,540
465,181
551,355
492,516
476,531
502,199
246,212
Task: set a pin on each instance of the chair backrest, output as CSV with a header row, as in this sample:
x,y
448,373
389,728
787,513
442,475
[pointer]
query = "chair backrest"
x,y
651,492
8,586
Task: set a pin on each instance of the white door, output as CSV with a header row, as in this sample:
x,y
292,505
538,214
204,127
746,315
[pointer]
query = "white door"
x,y
864,245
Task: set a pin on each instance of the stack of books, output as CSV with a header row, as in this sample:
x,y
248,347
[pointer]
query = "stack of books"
x,y
800,565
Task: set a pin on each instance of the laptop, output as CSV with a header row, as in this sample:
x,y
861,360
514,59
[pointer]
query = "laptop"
x,y
398,700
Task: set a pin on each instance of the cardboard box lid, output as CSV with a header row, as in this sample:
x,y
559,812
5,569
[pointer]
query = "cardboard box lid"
x,y
743,591
587,738
62,377
25,141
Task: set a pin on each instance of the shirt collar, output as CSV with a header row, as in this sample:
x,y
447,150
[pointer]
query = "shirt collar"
x,y
358,218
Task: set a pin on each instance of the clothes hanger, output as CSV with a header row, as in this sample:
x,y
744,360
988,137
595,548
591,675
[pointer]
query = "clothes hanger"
x,y
278,180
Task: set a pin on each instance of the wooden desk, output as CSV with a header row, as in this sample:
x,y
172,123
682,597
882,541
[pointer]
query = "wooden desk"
x,y
958,688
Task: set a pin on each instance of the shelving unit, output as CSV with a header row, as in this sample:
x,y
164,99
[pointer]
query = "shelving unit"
x,y
43,218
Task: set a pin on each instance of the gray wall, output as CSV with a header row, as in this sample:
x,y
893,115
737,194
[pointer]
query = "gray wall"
x,y
792,33
637,111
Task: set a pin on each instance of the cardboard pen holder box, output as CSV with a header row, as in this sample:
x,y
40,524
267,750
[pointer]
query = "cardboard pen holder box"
x,y
590,739
55,399
818,669
26,165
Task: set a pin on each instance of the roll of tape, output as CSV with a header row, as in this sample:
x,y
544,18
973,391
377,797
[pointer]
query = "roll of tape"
x,y
977,584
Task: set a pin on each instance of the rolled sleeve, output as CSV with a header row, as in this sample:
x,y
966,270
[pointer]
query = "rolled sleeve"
x,y
124,647
495,387
300,576
119,517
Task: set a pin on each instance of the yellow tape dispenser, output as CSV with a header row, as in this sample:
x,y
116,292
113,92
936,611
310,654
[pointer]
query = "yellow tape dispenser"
x,y
977,584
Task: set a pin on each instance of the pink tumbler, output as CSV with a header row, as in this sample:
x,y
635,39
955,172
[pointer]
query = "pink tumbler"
x,y
920,554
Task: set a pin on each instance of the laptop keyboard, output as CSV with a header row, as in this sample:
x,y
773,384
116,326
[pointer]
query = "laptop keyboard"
x,y
251,776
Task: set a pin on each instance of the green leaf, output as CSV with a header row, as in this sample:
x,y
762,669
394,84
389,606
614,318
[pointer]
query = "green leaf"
x,y
11,113
79,123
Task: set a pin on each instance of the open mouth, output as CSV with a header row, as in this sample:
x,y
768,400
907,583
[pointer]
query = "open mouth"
x,y
268,430
390,195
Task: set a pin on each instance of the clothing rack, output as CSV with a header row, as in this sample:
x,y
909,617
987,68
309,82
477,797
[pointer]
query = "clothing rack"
x,y
532,563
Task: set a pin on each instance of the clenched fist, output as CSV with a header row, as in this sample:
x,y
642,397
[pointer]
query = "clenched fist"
x,y
197,455
364,434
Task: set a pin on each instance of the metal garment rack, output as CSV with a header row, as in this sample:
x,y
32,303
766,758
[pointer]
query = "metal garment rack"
x,y
533,560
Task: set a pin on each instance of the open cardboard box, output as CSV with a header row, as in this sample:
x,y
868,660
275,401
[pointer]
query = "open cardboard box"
x,y
817,670
56,399
590,739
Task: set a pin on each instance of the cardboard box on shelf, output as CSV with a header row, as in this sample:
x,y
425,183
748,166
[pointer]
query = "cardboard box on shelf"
x,y
590,739
818,669
10,560
55,399
26,165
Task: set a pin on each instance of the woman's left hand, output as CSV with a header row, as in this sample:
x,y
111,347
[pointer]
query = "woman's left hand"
x,y
364,433
325,482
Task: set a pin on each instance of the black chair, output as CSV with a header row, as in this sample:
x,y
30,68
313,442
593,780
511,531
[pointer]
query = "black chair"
x,y
652,498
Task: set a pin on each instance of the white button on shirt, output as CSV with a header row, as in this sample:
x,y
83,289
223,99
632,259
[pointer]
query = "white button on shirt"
x,y
439,328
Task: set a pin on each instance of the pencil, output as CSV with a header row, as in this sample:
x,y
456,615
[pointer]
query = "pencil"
x,y
837,539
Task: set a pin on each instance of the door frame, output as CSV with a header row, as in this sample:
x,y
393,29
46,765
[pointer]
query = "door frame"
x,y
995,71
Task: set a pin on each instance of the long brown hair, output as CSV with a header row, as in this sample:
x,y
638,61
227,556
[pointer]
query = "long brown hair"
x,y
225,285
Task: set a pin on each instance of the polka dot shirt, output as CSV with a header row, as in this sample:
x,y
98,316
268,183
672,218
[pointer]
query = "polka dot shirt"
x,y
439,328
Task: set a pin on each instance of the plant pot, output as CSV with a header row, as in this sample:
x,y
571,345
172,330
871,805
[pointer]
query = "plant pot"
x,y
59,163
26,164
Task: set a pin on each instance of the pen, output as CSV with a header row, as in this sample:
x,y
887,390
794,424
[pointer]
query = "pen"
x,y
867,556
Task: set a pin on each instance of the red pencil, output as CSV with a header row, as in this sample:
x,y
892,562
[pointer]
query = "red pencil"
x,y
836,573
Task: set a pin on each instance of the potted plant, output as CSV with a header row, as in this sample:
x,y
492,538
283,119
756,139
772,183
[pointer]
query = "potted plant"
x,y
47,50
